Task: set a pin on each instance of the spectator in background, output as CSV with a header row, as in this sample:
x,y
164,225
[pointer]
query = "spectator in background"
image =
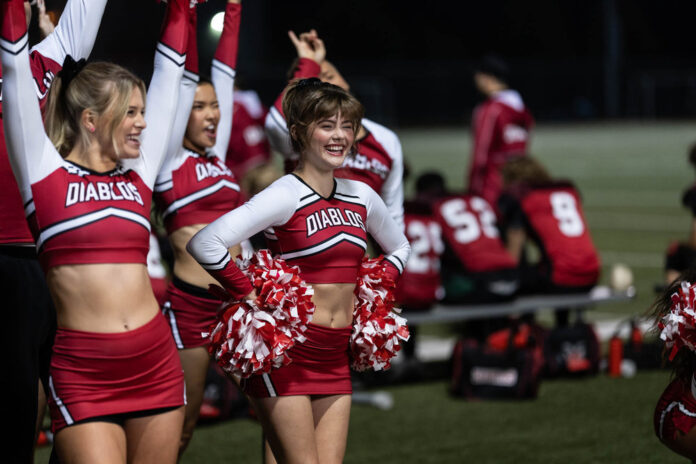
x,y
420,286
379,160
501,127
476,268
249,153
682,255
549,212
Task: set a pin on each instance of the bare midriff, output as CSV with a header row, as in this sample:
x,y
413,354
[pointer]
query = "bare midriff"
x,y
104,298
334,305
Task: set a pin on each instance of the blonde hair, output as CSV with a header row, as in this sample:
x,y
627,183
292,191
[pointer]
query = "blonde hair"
x,y
104,88
307,101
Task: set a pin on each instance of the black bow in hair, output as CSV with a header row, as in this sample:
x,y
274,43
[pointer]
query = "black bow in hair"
x,y
71,68
309,82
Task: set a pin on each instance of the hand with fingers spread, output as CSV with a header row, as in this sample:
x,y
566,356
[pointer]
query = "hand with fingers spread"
x,y
309,45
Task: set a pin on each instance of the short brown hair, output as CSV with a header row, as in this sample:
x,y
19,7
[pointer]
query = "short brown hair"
x,y
102,87
306,101
525,169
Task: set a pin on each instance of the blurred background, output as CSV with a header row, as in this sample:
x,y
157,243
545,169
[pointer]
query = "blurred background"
x,y
410,62
612,86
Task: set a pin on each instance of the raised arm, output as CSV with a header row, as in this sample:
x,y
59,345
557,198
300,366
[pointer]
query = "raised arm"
x,y
31,153
388,234
163,93
310,54
76,31
187,93
209,246
223,72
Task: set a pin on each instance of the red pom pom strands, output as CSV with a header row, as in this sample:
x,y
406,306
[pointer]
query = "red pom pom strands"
x,y
678,327
377,325
252,337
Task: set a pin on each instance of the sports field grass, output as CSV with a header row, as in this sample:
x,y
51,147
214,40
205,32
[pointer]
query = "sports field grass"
x,y
631,177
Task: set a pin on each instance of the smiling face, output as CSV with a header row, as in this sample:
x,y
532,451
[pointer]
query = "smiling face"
x,y
201,131
330,141
126,136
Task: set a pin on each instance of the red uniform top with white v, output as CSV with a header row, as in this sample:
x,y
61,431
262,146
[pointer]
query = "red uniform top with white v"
x,y
469,229
74,36
193,188
325,237
554,215
78,216
501,128
420,285
249,146
378,163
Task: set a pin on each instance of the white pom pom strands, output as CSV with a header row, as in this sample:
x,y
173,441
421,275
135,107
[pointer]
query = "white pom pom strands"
x,y
252,337
678,327
378,329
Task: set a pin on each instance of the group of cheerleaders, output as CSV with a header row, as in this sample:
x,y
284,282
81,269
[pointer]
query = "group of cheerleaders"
x,y
88,163
126,376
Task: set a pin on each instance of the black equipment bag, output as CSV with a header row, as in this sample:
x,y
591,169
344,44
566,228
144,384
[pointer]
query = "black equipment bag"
x,y
480,371
571,350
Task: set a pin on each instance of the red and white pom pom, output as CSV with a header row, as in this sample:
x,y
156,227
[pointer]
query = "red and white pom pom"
x,y
252,337
377,326
678,327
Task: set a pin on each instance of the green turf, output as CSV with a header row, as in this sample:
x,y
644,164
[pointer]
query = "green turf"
x,y
631,177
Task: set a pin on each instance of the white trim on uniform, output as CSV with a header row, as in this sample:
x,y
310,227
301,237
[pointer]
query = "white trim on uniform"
x,y
335,240
181,202
63,409
89,218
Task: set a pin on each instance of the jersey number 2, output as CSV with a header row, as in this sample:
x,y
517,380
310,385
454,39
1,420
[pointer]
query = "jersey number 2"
x,y
424,238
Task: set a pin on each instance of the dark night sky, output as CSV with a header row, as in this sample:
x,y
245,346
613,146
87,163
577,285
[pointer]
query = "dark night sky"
x,y
410,62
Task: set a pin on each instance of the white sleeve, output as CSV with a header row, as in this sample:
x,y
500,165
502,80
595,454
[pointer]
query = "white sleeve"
x,y
272,206
278,135
223,81
76,31
393,188
31,153
388,234
161,108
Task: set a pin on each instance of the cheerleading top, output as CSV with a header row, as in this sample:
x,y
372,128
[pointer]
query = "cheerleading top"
x,y
325,236
192,188
79,216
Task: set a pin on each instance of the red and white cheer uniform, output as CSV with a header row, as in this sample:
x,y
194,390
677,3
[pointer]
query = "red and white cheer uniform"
x,y
326,237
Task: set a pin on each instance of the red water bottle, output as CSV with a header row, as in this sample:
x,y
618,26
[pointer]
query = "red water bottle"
x,y
615,355
636,336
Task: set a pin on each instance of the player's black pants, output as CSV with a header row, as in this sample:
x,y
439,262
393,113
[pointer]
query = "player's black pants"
x,y
28,328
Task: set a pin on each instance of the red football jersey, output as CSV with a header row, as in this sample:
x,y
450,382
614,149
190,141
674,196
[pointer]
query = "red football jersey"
x,y
420,285
469,229
555,216
501,128
248,146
